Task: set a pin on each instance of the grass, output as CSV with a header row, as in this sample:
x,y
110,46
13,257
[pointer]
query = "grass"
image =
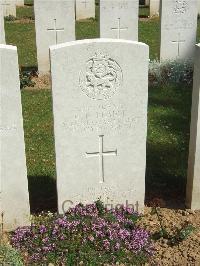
x,y
23,36
144,11
38,129
168,139
168,117
25,12
37,114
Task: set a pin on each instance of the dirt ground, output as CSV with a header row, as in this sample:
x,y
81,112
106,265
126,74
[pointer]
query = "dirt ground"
x,y
186,252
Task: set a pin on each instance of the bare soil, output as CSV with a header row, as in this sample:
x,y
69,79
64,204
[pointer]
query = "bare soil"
x,y
42,82
185,253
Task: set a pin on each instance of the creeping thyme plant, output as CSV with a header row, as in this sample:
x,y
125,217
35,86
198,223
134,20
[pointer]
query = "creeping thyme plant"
x,y
91,235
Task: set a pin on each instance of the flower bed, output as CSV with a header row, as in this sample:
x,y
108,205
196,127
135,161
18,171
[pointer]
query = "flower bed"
x,y
87,234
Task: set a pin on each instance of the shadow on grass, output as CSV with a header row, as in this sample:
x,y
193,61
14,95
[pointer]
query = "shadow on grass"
x,y
167,144
28,2
42,194
163,178
33,69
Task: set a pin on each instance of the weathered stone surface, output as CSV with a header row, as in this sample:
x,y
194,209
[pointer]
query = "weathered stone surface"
x,y
9,7
178,29
119,19
14,199
193,181
2,31
85,9
147,2
19,2
55,23
199,7
100,90
154,7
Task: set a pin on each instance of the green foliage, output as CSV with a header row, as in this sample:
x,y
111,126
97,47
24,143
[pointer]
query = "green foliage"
x,y
9,256
26,79
173,239
170,72
10,18
162,232
85,235
182,234
100,207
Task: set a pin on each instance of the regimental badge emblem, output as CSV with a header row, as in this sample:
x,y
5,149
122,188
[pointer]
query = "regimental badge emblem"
x,y
181,6
102,77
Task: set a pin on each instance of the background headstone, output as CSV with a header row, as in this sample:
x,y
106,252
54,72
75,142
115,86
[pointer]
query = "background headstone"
x,y
147,2
9,7
2,31
193,182
85,9
19,2
178,29
100,90
55,23
14,198
119,19
199,7
155,7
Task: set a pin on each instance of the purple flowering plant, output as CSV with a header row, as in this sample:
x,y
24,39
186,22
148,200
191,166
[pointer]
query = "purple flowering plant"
x,y
90,234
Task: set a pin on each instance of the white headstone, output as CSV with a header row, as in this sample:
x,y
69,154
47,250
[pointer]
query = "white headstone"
x,y
19,2
55,23
2,31
119,19
85,9
155,7
100,90
198,7
147,2
9,7
178,29
14,198
193,182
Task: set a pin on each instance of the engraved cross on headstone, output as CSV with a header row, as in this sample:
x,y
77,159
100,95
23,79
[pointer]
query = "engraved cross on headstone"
x,y
85,2
101,153
56,30
119,28
178,42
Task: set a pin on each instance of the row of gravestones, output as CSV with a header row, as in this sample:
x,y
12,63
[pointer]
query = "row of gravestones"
x,y
84,8
55,23
100,91
118,20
